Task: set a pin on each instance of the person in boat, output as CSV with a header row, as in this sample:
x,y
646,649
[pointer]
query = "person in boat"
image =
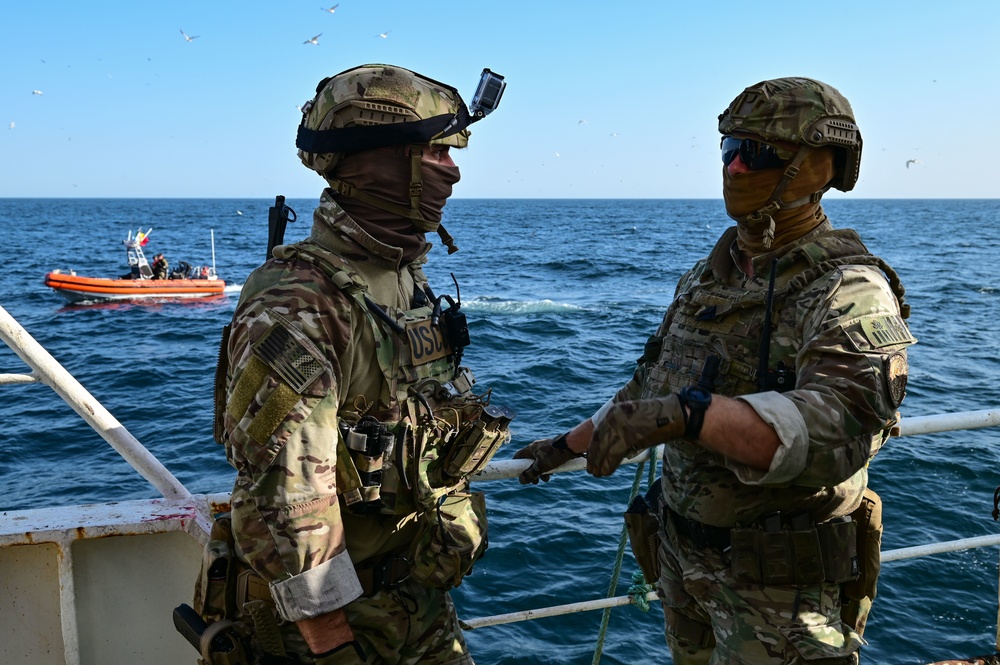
x,y
160,267
340,388
773,379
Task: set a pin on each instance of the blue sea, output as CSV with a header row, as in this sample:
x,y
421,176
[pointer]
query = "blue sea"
x,y
560,295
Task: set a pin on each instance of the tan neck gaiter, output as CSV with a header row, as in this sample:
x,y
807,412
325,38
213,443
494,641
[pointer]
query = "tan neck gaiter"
x,y
386,173
746,193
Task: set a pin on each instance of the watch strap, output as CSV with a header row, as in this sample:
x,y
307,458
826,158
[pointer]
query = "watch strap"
x,y
697,401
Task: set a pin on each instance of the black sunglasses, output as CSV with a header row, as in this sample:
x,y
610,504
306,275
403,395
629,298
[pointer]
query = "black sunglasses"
x,y
756,155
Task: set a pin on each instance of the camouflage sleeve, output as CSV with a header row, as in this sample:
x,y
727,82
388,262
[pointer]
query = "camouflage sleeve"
x,y
281,428
850,379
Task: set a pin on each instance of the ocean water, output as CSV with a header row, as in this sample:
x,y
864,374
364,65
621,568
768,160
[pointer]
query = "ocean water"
x,y
560,296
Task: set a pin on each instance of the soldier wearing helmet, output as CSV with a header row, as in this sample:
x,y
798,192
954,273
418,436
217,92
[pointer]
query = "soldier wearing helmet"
x,y
342,402
773,379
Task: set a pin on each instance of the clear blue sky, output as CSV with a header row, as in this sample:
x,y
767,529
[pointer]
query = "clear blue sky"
x,y
604,99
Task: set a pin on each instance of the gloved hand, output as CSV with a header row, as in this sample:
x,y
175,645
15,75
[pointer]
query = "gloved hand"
x,y
629,427
547,457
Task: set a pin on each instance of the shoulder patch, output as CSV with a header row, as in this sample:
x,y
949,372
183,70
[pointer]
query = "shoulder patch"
x,y
882,330
289,357
897,369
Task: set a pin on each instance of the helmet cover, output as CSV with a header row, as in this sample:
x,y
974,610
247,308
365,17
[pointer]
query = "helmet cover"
x,y
373,95
801,111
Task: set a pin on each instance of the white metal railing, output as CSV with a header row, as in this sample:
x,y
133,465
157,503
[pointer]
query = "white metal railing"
x,y
45,369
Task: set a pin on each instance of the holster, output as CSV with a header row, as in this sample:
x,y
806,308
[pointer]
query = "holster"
x,y
643,525
857,595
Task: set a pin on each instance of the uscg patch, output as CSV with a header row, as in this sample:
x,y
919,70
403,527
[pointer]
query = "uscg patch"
x,y
884,330
896,371
427,341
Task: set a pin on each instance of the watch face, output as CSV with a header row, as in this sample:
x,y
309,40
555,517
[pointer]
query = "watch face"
x,y
697,395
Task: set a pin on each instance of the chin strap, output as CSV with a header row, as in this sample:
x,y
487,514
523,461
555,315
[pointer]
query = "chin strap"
x,y
774,204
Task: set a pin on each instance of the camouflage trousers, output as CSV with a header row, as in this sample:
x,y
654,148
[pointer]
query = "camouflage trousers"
x,y
712,619
403,625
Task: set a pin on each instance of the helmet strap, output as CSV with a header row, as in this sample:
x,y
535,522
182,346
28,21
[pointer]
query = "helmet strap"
x,y
774,203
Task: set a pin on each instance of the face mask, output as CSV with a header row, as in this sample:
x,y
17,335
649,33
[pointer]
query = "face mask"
x,y
746,193
386,173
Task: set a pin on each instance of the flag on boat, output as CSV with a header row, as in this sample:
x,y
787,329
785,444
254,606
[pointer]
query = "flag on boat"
x,y
142,238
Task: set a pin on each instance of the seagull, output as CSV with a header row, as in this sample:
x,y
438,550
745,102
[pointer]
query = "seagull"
x,y
239,212
912,161
11,125
331,9
384,35
314,40
188,38
581,122
36,92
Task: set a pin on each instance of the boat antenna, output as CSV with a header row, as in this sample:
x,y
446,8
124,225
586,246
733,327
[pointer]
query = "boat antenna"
x,y
212,231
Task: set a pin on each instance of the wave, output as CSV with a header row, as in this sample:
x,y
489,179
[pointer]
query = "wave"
x,y
494,305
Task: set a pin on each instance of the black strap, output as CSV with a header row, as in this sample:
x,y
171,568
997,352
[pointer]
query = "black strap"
x,y
354,139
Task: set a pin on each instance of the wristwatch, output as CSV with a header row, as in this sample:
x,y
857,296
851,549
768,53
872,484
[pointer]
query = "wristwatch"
x,y
696,399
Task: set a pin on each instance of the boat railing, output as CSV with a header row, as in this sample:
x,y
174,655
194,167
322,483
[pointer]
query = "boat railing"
x,y
45,369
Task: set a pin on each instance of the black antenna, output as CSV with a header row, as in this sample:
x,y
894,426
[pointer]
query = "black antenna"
x,y
278,216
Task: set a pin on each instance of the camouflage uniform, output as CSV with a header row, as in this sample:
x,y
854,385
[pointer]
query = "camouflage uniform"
x,y
292,504
839,337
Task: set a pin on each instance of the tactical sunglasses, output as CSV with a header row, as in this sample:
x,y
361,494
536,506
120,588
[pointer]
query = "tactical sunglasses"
x,y
756,155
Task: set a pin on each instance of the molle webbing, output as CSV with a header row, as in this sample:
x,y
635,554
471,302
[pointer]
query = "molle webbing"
x,y
801,280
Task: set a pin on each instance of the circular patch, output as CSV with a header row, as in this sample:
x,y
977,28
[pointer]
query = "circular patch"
x,y
896,371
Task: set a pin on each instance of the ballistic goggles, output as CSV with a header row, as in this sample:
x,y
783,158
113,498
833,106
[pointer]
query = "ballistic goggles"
x,y
756,155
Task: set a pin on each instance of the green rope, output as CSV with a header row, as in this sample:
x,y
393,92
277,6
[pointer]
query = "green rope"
x,y
622,539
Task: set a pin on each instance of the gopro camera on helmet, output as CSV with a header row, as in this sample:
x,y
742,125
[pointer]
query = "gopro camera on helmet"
x,y
488,94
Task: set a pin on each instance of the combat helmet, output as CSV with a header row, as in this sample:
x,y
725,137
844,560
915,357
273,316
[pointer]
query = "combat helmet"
x,y
379,105
805,112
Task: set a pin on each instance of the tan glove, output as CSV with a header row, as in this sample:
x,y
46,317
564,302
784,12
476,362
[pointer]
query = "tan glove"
x,y
547,457
629,427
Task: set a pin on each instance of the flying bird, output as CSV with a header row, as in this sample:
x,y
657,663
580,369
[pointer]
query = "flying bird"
x,y
239,212
36,92
314,40
331,9
384,35
912,161
582,122
188,38
11,125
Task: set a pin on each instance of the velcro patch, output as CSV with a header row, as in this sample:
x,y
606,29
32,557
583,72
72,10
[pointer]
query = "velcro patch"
x,y
427,341
882,330
897,370
289,358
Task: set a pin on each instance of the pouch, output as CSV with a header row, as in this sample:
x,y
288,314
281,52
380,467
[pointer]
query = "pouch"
x,y
858,594
644,537
451,538
214,594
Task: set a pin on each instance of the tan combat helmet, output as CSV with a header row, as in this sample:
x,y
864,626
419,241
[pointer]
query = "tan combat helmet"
x,y
803,111
377,105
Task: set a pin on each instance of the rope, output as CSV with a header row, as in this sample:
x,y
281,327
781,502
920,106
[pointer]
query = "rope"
x,y
622,539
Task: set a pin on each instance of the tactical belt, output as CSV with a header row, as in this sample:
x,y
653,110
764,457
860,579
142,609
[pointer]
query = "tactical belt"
x,y
703,536
378,574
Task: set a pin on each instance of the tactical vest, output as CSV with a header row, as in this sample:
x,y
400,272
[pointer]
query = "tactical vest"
x,y
711,319
427,433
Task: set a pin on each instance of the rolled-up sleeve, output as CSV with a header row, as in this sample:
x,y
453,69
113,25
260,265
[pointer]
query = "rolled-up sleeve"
x,y
848,382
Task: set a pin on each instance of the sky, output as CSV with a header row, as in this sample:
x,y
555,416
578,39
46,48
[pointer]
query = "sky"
x,y
603,99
